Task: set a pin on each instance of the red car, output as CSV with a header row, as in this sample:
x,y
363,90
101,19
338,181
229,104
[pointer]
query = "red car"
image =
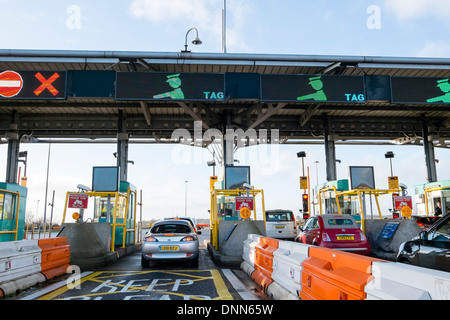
x,y
334,231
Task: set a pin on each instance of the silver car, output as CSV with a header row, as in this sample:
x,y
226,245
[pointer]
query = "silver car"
x,y
170,240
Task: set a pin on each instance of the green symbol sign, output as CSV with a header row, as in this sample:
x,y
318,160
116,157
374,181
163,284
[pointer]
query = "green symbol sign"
x,y
444,85
175,82
317,84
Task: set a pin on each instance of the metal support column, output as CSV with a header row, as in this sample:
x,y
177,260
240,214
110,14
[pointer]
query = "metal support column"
x,y
227,144
429,152
330,150
13,151
122,148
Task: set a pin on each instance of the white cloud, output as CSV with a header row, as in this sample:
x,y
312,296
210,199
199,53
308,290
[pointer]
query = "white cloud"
x,y
206,15
413,9
438,48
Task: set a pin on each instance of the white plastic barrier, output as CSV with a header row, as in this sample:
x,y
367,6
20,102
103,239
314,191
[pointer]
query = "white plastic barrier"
x,y
20,261
287,265
249,248
398,281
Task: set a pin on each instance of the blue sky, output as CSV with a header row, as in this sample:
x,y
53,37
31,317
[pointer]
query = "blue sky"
x,y
403,28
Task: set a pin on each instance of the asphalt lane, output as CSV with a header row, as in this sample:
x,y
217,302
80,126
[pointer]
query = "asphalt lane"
x,y
125,279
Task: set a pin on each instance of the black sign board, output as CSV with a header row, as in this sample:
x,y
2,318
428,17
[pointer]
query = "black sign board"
x,y
170,86
312,88
389,230
32,84
420,90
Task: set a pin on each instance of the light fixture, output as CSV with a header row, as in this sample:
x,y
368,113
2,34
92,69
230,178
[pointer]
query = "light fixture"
x,y
196,40
389,154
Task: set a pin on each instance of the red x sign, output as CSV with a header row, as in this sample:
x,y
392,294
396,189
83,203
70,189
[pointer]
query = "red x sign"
x,y
46,84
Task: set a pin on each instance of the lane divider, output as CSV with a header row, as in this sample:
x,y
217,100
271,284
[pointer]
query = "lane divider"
x,y
55,256
287,270
26,263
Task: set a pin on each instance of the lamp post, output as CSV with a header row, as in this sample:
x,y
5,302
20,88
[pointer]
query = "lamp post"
x,y
389,155
196,40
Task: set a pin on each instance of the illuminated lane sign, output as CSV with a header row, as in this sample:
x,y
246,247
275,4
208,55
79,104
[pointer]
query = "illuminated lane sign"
x,y
312,88
170,86
420,90
32,84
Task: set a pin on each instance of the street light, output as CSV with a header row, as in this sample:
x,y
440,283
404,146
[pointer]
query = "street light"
x,y
302,154
389,155
196,40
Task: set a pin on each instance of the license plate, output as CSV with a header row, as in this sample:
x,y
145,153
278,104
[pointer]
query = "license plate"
x,y
279,227
169,248
345,237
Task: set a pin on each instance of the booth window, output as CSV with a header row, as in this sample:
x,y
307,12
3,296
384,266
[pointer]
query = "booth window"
x,y
6,206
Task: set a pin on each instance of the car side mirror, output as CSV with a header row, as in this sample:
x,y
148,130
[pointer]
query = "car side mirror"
x,y
199,232
423,235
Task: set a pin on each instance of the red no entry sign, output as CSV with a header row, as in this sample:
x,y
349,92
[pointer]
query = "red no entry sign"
x,y
10,84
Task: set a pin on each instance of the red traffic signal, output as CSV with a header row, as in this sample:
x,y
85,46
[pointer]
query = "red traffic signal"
x,y
305,203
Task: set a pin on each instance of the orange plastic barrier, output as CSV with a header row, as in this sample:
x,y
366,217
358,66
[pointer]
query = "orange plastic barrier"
x,y
334,275
264,261
55,256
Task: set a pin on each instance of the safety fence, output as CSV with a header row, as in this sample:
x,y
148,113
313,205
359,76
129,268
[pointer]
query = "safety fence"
x,y
287,270
26,263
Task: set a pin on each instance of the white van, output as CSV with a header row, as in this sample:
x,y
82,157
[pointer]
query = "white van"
x,y
280,224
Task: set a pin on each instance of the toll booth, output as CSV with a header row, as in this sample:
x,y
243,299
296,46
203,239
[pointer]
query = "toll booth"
x,y
237,210
118,208
429,195
13,199
336,197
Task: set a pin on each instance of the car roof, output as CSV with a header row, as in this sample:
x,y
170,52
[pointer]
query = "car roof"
x,y
172,221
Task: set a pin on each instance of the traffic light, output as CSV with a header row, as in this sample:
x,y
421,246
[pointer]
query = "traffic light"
x,y
395,211
305,206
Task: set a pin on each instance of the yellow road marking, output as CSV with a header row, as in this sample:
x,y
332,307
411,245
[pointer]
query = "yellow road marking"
x,y
99,276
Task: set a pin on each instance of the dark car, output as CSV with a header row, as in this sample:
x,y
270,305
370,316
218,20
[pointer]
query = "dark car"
x,y
425,222
430,249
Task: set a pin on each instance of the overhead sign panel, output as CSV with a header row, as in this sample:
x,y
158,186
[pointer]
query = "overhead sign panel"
x,y
312,88
32,84
170,86
420,90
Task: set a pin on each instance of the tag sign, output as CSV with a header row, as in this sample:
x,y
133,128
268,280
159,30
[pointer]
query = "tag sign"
x,y
304,182
393,182
242,202
78,201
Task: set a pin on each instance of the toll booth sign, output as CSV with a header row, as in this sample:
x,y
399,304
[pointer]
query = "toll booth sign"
x,y
78,201
420,90
163,86
312,88
32,84
244,202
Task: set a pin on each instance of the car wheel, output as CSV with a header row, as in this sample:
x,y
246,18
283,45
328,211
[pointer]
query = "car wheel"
x,y
194,262
145,263
405,261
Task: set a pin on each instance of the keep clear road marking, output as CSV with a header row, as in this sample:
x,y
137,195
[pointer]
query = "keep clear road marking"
x,y
100,281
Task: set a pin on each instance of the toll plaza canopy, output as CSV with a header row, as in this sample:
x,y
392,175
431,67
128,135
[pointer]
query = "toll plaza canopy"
x,y
93,96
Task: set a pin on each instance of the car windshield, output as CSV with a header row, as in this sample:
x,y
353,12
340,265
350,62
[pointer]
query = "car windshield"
x,y
279,216
171,228
340,222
